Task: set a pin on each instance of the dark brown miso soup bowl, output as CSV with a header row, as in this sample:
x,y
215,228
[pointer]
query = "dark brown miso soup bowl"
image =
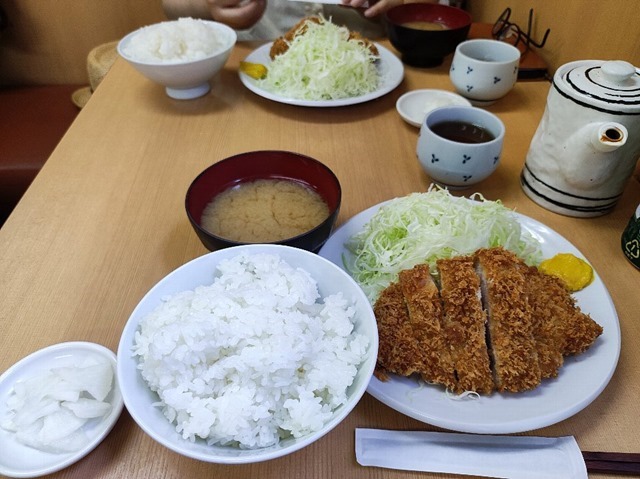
x,y
256,165
426,48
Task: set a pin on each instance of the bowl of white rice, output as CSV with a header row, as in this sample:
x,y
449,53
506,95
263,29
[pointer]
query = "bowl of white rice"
x,y
247,354
183,55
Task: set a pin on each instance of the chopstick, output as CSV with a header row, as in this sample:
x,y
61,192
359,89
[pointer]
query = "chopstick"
x,y
612,462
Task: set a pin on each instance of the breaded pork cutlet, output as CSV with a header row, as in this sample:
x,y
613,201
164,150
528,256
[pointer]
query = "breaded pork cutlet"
x,y
510,325
464,324
397,351
561,328
281,44
495,324
425,314
547,336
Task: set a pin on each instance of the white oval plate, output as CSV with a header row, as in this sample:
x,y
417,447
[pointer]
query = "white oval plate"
x,y
579,382
18,460
414,105
390,68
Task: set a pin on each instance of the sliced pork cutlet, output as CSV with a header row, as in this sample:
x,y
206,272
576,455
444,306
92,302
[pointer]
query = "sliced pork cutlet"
x,y
398,349
464,324
560,322
425,314
544,311
512,346
281,44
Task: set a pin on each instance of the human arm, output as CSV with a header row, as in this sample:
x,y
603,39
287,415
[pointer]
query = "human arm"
x,y
238,14
375,8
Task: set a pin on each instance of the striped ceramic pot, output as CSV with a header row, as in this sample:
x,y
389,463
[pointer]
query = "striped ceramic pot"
x,y
588,141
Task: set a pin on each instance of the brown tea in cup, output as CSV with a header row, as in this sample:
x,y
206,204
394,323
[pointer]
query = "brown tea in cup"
x,y
462,132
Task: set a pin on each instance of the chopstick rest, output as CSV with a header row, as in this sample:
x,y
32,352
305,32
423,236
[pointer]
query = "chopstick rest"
x,y
513,457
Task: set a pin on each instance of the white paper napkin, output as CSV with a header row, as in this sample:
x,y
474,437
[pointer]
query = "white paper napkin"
x,y
512,457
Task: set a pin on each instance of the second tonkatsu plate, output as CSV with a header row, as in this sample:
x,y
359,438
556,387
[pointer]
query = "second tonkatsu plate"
x,y
389,66
581,379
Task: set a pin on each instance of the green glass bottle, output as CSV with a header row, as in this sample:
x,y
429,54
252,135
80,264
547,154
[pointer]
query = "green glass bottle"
x,y
631,239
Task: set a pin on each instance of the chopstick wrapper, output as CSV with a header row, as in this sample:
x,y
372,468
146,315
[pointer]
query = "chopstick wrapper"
x,y
513,457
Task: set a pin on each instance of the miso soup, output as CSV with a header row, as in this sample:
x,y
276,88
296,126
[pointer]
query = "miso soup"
x,y
264,211
422,25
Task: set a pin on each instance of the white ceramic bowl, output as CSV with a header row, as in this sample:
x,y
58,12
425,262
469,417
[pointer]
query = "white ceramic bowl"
x,y
18,460
414,105
183,80
139,399
451,162
484,70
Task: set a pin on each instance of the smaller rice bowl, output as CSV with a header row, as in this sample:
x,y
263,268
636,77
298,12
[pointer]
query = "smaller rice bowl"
x,y
182,55
182,40
140,400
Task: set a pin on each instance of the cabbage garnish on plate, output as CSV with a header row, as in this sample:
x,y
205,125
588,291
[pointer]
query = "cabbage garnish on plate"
x,y
323,62
424,227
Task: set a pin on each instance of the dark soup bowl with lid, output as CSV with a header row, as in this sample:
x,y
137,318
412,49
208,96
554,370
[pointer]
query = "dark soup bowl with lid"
x,y
277,197
425,33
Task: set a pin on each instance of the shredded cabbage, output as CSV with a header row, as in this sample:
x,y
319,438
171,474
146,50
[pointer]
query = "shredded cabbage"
x,y
323,64
424,227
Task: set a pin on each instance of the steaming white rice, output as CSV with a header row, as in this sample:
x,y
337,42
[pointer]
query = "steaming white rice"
x,y
255,357
185,39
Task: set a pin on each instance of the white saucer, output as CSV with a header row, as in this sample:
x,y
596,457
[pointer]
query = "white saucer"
x,y
18,460
414,105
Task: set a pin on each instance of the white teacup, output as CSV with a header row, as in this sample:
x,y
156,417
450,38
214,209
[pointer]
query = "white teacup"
x,y
483,70
460,146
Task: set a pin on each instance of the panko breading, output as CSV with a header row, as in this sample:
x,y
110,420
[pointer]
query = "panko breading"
x,y
494,323
281,44
398,347
465,324
425,315
513,348
560,327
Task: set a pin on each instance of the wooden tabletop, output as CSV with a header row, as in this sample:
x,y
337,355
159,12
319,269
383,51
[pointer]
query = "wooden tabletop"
x,y
105,220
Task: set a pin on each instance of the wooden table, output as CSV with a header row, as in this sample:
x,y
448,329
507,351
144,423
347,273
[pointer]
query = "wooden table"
x,y
105,220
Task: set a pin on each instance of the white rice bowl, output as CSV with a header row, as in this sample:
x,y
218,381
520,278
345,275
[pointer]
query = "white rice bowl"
x,y
245,434
182,55
182,40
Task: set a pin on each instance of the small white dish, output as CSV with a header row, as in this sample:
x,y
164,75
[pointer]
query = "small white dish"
x,y
18,460
414,105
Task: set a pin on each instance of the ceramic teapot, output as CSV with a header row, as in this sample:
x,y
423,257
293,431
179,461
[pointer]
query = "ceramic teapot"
x,y
588,141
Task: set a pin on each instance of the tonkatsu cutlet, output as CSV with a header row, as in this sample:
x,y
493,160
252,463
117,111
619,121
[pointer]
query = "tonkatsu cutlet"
x,y
397,351
510,325
494,324
425,314
560,325
281,44
464,324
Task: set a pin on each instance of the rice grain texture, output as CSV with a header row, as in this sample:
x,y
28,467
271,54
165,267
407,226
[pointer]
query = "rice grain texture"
x,y
253,358
185,39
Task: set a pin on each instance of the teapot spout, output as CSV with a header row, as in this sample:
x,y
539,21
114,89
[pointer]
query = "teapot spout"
x,y
608,136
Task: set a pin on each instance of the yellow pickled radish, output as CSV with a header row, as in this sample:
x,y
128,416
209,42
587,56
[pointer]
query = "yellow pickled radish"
x,y
575,272
254,70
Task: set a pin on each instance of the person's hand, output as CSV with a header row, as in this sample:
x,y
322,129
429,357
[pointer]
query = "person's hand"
x,y
375,8
238,14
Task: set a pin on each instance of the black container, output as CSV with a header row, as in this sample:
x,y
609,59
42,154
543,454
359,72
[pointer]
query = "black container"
x,y
254,165
426,48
